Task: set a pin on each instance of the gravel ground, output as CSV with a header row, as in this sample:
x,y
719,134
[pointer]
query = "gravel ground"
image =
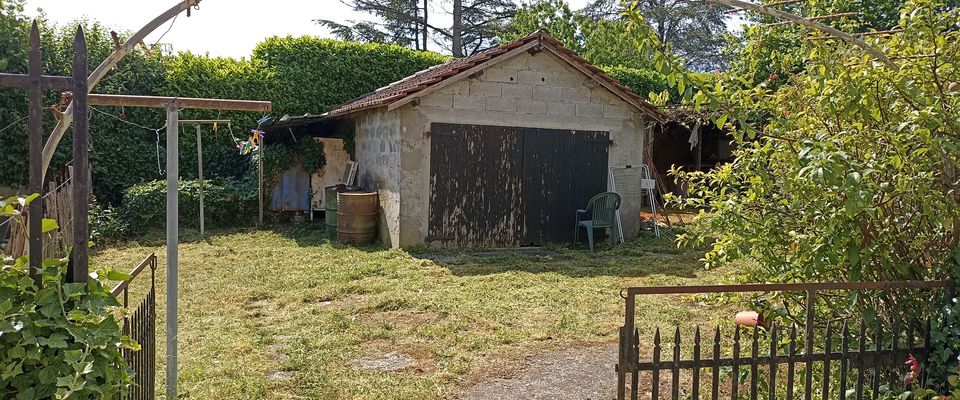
x,y
574,374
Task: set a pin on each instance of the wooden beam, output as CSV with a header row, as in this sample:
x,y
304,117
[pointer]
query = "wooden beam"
x,y
47,82
464,74
181,102
111,61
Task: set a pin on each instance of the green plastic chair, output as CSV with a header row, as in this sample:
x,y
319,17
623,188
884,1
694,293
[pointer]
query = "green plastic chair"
x,y
603,209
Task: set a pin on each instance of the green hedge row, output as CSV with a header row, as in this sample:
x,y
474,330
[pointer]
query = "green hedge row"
x,y
226,203
299,75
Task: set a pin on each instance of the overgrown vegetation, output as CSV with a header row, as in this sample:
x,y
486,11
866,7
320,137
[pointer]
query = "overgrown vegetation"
x,y
60,340
847,170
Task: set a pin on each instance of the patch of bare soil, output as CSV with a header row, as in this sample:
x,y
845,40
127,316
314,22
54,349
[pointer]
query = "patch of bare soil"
x,y
391,361
574,374
401,318
386,356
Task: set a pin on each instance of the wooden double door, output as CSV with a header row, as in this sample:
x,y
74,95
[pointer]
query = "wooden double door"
x,y
498,186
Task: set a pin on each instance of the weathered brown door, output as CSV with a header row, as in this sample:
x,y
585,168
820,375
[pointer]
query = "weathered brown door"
x,y
562,170
508,186
475,185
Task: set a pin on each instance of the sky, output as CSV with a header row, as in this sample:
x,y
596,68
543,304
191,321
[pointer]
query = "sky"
x,y
229,28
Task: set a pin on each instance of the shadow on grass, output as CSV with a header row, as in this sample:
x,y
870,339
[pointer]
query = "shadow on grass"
x,y
308,234
642,256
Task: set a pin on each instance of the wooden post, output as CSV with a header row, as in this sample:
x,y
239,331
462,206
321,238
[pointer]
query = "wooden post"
x,y
200,175
35,216
173,241
81,163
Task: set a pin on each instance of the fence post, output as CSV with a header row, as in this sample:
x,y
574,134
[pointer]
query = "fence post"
x,y
808,349
81,162
35,215
625,359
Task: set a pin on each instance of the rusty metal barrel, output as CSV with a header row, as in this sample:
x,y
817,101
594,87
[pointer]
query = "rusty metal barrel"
x,y
357,217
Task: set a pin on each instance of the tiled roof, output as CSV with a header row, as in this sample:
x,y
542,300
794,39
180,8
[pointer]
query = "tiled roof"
x,y
434,75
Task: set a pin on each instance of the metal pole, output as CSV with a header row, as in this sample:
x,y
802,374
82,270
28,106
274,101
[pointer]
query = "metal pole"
x,y
173,229
260,178
200,175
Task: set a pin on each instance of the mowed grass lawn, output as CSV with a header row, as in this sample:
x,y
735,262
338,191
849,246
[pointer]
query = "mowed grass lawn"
x,y
285,314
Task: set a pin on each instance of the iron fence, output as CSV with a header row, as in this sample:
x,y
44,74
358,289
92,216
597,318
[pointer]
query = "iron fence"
x,y
779,363
141,325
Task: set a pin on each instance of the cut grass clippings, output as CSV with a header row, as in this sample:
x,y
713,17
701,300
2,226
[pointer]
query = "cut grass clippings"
x,y
288,314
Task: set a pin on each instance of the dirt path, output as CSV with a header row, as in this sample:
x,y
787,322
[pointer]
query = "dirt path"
x,y
574,374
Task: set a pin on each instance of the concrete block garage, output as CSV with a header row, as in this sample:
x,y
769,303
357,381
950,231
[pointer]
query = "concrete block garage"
x,y
497,149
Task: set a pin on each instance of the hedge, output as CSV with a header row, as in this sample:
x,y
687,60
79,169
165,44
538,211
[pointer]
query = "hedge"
x,y
226,203
315,74
299,75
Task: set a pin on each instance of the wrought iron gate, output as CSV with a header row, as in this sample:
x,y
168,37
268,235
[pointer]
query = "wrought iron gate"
x,y
141,325
781,362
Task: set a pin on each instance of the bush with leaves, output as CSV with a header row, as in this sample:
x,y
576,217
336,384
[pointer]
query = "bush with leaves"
x,y
848,171
58,340
232,204
106,223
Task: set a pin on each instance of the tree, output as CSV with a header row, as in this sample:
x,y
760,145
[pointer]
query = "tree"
x,y
402,22
767,48
694,29
845,171
362,31
475,25
600,41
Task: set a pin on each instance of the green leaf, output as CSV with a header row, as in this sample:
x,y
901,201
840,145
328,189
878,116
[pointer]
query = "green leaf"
x,y
25,201
722,120
869,315
55,341
74,290
118,276
49,225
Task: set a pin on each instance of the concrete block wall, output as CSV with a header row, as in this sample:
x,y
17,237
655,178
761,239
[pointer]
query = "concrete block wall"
x,y
378,154
536,91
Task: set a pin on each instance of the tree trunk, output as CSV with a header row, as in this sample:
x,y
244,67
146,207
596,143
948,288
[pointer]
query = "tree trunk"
x,y
424,34
456,32
415,26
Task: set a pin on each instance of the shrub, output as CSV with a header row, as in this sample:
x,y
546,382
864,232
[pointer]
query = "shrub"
x,y
106,224
145,204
